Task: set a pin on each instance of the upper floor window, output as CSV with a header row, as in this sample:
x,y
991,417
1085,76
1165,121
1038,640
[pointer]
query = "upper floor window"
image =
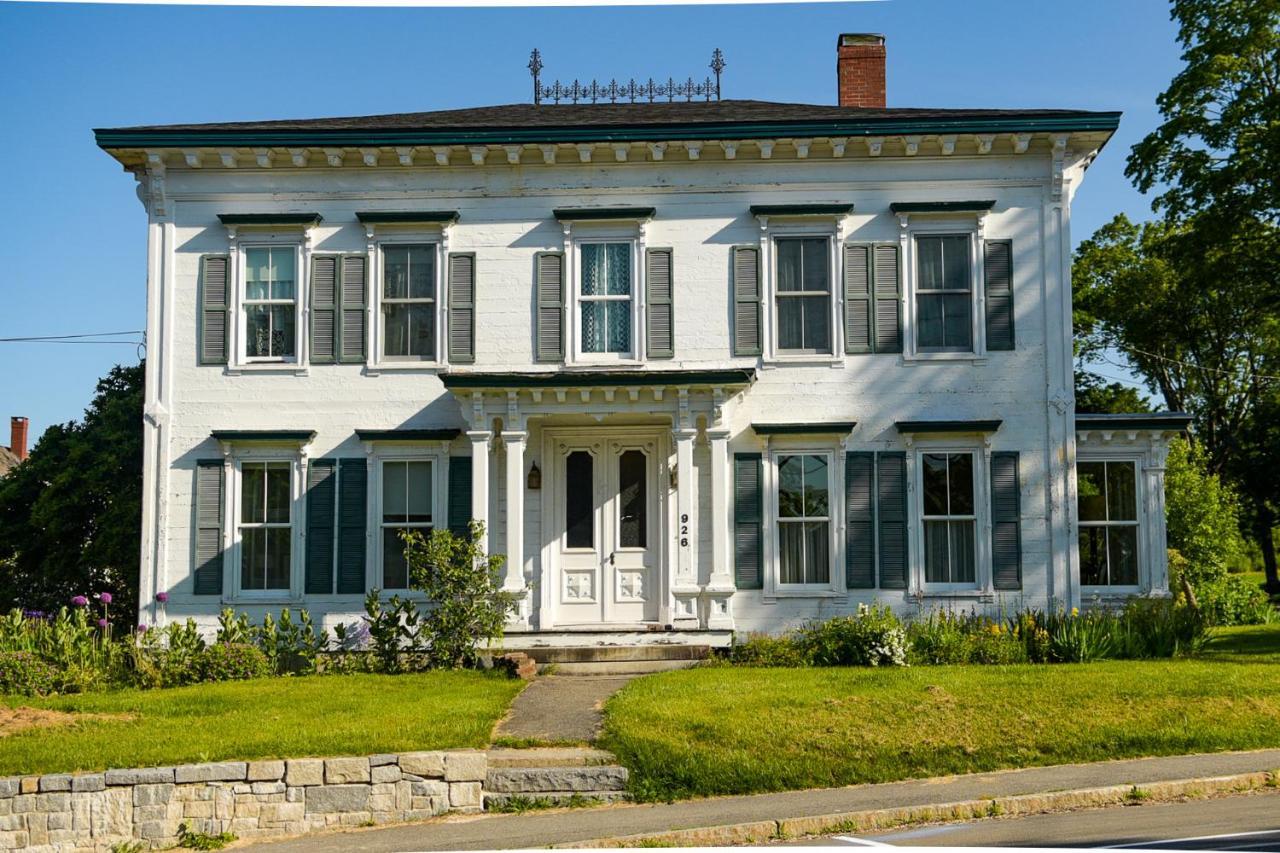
x,y
804,519
409,301
270,303
265,525
950,518
944,293
605,293
1107,505
803,295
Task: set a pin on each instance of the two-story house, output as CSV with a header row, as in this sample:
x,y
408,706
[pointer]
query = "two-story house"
x,y
697,364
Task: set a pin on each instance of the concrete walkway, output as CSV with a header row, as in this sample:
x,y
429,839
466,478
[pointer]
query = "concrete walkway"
x,y
561,708
533,830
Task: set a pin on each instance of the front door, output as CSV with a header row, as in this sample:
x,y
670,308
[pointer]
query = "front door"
x,y
607,519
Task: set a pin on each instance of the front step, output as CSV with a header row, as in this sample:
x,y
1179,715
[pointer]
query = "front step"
x,y
551,776
619,667
615,659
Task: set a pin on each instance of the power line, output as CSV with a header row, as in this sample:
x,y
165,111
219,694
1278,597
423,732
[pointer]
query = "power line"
x,y
70,338
1190,366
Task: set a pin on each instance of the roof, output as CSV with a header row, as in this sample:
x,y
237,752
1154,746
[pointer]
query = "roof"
x,y
8,461
1177,421
512,123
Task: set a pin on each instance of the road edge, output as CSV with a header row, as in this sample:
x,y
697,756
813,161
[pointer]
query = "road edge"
x,y
868,820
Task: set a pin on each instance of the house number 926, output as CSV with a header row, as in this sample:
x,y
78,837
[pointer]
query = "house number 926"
x,y
684,530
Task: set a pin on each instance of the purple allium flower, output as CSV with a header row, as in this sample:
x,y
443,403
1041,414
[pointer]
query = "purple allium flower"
x,y
142,629
102,623
104,597
162,597
80,601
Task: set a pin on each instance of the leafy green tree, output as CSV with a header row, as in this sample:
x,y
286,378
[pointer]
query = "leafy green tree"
x,y
70,515
1094,396
1202,514
467,605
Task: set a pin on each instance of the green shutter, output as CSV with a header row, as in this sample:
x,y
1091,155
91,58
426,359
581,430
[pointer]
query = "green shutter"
x,y
209,492
215,290
859,521
353,294
748,520
891,511
1006,533
549,317
746,301
462,308
997,265
460,495
659,304
322,478
324,308
857,300
887,284
353,487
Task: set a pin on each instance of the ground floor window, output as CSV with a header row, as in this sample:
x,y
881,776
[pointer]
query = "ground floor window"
x,y
950,520
407,504
804,519
1107,507
265,525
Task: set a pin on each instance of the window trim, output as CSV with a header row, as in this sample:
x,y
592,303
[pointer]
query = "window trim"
x,y
438,510
574,298
378,359
1139,524
952,225
240,360
231,525
773,586
770,234
983,575
925,518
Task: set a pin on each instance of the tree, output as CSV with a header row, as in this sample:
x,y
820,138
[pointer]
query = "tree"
x,y
1094,397
1202,513
71,514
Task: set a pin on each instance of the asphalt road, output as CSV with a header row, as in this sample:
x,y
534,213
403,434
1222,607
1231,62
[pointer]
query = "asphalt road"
x,y
1245,822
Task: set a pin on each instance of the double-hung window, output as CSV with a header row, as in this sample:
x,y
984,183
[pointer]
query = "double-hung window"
x,y
409,302
804,519
270,303
408,498
265,525
944,293
950,520
605,292
803,295
1107,505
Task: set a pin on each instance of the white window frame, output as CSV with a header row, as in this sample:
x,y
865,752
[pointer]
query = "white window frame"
x,y
982,572
377,335
773,587
949,586
232,525
951,225
771,232
1139,524
575,299
241,359
777,295
439,511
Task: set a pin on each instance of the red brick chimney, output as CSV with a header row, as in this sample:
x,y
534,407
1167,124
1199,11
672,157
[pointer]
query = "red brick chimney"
x,y
18,437
860,70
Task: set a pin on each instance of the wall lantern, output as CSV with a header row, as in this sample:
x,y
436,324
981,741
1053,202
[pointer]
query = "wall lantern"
x,y
535,477
675,476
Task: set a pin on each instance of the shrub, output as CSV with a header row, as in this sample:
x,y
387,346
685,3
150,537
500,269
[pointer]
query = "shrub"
x,y
767,650
1233,600
872,637
233,662
23,672
1159,628
995,646
1202,513
945,637
462,583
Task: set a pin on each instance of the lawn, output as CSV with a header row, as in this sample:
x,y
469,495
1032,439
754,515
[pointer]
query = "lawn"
x,y
269,718
722,730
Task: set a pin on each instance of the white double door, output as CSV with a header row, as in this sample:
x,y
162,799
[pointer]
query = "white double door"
x,y
606,528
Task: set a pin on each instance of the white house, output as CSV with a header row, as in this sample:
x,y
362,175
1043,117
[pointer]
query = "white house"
x,y
699,365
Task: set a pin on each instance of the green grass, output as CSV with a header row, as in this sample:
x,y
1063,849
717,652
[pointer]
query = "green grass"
x,y
269,718
724,730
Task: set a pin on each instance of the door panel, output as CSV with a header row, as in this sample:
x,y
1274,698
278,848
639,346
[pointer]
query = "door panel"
x,y
581,542
632,511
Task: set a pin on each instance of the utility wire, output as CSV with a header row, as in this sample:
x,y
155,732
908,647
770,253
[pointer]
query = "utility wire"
x,y
71,338
1190,366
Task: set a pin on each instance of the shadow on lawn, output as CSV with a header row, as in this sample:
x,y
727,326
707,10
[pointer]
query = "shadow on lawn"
x,y
1254,644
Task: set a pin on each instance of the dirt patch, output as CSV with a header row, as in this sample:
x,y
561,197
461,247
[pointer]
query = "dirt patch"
x,y
14,720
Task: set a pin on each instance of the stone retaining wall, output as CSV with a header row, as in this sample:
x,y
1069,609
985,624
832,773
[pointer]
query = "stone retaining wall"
x,y
252,799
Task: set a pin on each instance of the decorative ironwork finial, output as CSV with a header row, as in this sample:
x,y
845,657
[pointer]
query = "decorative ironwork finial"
x,y
632,91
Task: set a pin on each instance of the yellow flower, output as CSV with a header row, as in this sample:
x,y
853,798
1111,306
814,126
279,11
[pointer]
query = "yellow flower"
x,y
1075,611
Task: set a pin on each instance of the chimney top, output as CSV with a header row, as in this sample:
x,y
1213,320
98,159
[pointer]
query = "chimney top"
x,y
18,437
860,70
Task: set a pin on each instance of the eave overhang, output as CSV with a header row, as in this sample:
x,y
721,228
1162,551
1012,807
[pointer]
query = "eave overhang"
x,y
602,379
1157,421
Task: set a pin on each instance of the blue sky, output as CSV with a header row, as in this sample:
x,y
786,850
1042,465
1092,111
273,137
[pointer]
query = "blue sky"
x,y
75,232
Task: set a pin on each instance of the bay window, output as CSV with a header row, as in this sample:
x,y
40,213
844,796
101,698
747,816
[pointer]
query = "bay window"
x,y
1107,507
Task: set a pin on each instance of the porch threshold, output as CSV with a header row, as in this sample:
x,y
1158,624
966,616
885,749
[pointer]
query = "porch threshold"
x,y
622,635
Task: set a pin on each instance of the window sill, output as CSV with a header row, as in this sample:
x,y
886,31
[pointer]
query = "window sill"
x,y
943,358
267,368
776,360
780,592
404,367
973,594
